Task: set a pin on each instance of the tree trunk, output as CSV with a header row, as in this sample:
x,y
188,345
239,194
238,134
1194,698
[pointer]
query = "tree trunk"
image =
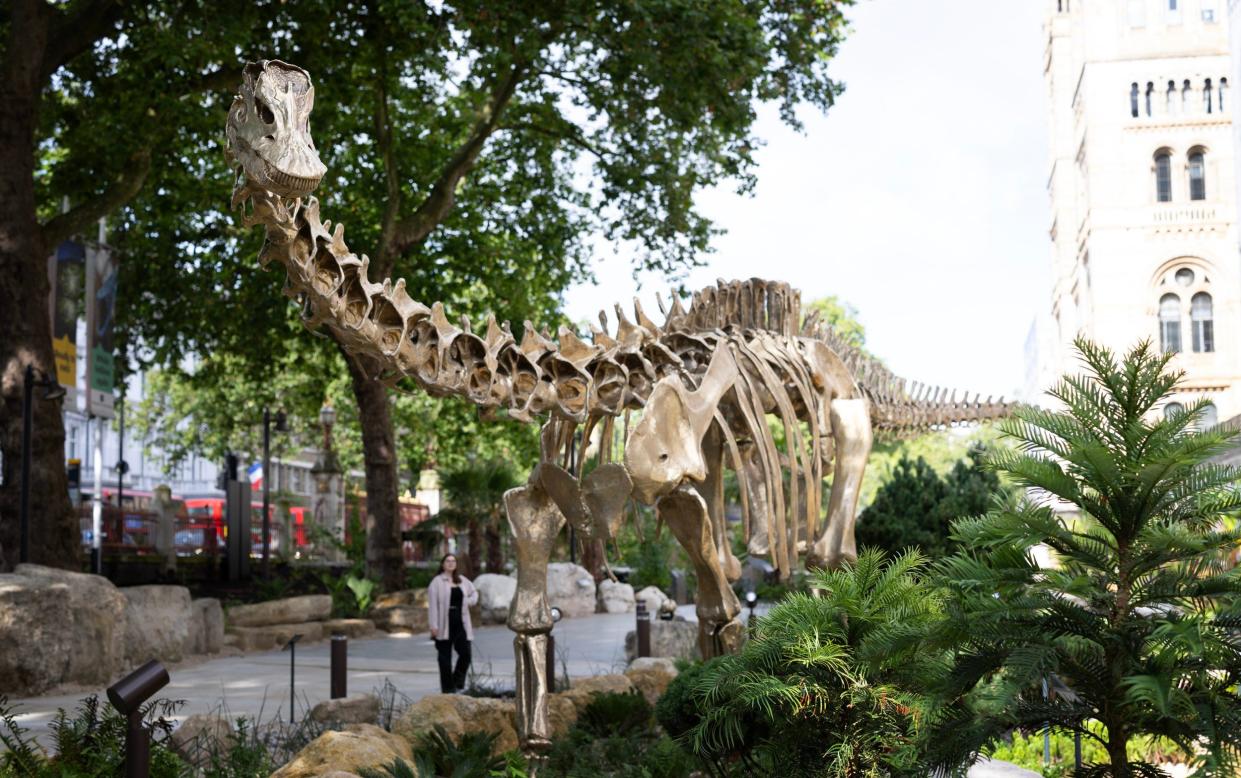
x,y
384,560
474,559
592,558
25,327
495,551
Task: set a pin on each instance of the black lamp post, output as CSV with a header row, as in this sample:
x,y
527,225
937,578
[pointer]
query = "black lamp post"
x,y
281,426
52,391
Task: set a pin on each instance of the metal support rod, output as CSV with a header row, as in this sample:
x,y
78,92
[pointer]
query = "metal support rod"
x,y
292,676
551,664
121,467
97,502
266,494
27,432
137,748
340,658
644,629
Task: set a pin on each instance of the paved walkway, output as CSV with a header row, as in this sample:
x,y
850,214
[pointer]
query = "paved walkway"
x,y
258,684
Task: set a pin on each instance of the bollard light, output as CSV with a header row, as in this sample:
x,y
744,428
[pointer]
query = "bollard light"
x,y
127,696
643,629
340,658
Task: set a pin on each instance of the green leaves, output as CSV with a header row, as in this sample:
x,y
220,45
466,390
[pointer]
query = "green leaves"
x,y
1125,607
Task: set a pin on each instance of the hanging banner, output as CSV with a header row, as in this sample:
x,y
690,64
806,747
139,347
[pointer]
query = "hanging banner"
x,y
66,270
101,279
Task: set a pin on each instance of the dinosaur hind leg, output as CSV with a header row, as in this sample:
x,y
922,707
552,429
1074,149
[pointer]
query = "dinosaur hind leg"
x,y
851,435
719,630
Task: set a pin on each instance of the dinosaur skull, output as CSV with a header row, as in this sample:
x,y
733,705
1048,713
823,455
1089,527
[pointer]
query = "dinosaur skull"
x,y
269,129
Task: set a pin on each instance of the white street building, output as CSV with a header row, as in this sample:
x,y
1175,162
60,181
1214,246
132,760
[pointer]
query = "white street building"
x,y
1143,186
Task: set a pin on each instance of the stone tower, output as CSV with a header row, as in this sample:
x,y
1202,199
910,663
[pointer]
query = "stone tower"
x,y
1143,190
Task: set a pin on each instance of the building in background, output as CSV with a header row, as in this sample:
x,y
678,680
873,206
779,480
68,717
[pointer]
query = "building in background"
x,y
1143,186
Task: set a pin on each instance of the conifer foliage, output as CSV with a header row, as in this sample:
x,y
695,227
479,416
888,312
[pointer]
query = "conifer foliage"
x,y
1138,613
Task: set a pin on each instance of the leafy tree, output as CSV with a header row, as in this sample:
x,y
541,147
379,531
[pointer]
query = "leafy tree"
x,y
475,496
471,150
94,92
1137,614
824,686
917,506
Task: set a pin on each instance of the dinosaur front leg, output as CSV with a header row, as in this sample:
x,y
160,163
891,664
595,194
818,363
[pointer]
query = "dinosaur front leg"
x,y
719,631
852,436
535,521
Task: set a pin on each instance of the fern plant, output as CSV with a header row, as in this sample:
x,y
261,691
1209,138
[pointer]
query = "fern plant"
x,y
825,686
1138,612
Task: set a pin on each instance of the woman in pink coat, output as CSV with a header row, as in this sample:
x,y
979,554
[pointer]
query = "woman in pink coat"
x,y
449,598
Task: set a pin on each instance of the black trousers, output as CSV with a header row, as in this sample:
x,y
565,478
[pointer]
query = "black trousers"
x,y
452,679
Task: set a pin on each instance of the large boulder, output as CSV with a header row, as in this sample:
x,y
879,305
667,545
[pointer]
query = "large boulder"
x,y
571,588
584,690
157,624
200,736
458,715
367,746
651,676
206,627
654,598
615,597
350,628
274,636
676,639
36,632
355,709
290,610
97,613
495,594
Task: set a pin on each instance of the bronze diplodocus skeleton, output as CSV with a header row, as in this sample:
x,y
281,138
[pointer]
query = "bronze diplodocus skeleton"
x,y
704,383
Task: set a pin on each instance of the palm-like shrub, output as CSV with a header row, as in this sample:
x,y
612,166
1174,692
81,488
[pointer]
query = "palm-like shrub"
x,y
1138,612
821,688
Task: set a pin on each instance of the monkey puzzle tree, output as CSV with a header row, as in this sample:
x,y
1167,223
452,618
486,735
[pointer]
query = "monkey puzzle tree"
x,y
1138,613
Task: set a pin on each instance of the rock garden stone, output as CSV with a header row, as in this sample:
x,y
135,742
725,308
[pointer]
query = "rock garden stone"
x,y
571,588
97,613
36,629
676,639
654,597
274,636
157,623
206,627
354,709
404,598
350,628
584,689
458,715
615,597
651,676
344,751
495,593
290,610
661,663
201,735
401,618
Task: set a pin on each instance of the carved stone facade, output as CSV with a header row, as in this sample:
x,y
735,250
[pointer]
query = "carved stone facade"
x,y
1143,190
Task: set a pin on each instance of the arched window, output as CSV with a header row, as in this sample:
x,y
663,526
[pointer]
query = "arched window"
x,y
1202,318
1185,89
1172,410
1150,96
1163,176
1133,99
1169,101
1209,418
1223,92
1197,175
1170,323
1206,96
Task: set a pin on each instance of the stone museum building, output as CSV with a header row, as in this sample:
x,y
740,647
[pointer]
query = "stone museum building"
x,y
1143,186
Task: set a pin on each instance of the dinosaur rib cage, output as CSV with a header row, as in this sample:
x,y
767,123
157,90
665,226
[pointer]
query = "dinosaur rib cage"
x,y
790,368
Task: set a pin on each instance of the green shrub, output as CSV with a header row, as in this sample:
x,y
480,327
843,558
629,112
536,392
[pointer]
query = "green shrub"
x,y
88,744
677,711
241,755
615,713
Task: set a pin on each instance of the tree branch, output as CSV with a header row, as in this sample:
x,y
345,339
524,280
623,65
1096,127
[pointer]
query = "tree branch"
x,y
76,30
122,190
414,228
574,138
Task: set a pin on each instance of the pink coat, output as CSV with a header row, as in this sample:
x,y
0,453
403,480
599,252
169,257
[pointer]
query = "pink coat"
x,y
439,595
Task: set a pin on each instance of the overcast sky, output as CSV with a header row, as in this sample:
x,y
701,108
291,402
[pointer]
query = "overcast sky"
x,y
919,198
